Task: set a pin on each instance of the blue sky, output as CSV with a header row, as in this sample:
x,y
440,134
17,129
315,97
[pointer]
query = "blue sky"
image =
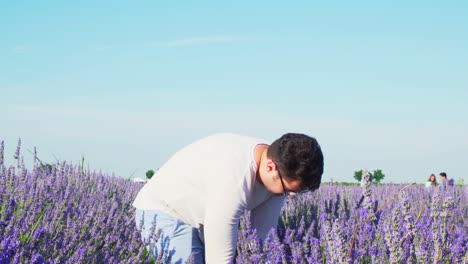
x,y
126,84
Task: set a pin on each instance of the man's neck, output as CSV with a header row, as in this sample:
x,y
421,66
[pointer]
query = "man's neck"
x,y
260,155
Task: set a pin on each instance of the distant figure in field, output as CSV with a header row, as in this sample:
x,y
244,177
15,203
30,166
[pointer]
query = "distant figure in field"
x,y
199,195
444,181
432,181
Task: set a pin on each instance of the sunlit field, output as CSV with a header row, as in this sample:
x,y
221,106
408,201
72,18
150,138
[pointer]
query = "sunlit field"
x,y
63,213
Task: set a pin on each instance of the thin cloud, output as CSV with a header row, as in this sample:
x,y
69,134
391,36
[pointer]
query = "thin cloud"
x,y
201,41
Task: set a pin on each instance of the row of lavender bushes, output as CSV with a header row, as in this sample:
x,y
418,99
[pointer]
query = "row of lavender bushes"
x,y
369,224
62,213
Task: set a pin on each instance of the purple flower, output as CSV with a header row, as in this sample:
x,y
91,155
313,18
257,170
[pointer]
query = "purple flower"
x,y
61,213
37,259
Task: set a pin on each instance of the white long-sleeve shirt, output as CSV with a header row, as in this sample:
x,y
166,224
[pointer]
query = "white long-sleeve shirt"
x,y
208,184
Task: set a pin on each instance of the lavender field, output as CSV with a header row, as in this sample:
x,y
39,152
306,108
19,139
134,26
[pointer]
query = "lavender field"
x,y
63,213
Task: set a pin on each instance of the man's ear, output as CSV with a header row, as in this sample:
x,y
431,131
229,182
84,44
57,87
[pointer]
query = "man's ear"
x,y
270,165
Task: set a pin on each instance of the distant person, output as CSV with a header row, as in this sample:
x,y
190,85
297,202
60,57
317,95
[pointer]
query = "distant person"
x,y
444,181
199,195
432,181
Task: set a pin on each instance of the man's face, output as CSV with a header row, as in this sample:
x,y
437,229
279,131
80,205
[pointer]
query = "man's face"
x,y
275,183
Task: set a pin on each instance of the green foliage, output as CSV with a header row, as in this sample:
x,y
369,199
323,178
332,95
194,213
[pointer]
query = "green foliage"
x,y
25,238
82,166
349,184
46,167
376,176
460,182
358,175
340,183
149,174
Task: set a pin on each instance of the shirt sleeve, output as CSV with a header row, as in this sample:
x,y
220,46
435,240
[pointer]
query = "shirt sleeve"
x,y
266,215
224,207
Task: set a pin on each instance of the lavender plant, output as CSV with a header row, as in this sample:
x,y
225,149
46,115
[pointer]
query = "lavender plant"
x,y
63,213
399,231
56,214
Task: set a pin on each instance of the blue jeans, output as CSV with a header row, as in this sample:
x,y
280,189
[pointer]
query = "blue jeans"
x,y
178,240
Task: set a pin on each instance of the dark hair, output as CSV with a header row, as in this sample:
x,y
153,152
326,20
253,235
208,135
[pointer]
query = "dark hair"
x,y
443,174
432,182
298,157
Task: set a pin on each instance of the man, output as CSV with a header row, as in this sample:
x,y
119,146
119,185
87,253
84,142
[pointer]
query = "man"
x,y
198,196
444,181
